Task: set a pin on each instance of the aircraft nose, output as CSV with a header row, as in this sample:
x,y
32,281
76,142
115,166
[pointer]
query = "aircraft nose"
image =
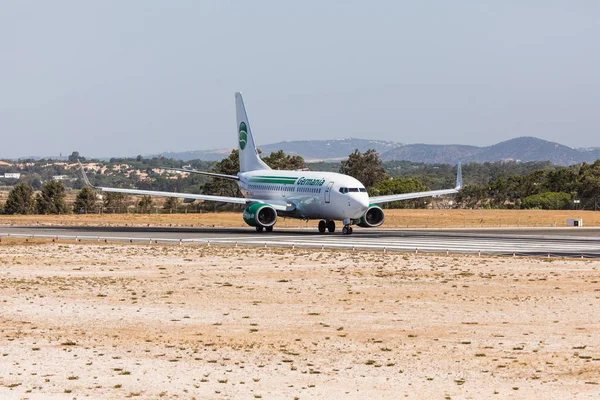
x,y
362,201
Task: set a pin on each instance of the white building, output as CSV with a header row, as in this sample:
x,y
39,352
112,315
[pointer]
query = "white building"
x,y
12,175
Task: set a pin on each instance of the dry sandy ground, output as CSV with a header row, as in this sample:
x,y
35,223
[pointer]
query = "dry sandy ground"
x,y
116,321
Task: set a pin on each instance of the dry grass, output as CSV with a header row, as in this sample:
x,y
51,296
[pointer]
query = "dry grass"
x,y
394,219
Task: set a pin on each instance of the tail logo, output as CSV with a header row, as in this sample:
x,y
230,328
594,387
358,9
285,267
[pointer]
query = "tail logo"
x,y
243,135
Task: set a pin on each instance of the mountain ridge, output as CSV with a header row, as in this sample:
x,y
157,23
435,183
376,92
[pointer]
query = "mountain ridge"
x,y
519,149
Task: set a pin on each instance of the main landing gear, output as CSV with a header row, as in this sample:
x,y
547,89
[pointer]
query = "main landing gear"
x,y
330,227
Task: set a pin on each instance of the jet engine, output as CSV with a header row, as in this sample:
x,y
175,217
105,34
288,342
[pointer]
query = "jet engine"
x,y
260,215
372,217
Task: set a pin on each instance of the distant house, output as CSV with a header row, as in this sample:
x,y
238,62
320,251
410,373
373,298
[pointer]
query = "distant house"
x,y
60,177
5,164
12,175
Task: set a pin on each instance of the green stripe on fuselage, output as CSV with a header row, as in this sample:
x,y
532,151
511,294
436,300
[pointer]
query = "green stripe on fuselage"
x,y
276,177
278,180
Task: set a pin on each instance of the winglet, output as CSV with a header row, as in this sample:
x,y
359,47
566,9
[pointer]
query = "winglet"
x,y
459,182
85,178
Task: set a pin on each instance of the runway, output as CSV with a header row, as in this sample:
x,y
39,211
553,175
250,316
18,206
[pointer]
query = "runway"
x,y
553,242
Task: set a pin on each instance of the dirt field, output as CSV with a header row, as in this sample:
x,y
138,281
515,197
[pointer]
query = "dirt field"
x,y
394,219
116,321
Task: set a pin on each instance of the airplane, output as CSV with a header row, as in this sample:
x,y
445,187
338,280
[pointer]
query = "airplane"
x,y
269,194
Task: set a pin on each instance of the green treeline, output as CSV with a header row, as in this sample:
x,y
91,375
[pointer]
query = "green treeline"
x,y
488,185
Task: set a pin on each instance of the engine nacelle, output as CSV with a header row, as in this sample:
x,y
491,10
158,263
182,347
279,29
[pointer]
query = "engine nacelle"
x,y
373,217
260,214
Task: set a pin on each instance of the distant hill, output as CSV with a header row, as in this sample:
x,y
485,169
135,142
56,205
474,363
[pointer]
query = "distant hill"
x,y
206,155
311,150
337,149
519,149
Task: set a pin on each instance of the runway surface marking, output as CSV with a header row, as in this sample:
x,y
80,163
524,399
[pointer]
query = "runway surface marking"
x,y
437,241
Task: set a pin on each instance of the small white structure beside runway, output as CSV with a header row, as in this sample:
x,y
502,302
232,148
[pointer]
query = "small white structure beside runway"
x,y
575,222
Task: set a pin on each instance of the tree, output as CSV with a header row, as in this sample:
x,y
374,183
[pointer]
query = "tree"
x,y
588,188
74,157
85,201
562,180
280,160
548,201
402,185
20,200
366,167
224,187
51,200
170,204
145,204
115,202
471,196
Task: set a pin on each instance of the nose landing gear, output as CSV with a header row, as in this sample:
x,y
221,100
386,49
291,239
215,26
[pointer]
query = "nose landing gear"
x,y
347,230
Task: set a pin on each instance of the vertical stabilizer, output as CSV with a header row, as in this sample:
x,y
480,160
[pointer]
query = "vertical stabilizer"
x,y
459,182
249,159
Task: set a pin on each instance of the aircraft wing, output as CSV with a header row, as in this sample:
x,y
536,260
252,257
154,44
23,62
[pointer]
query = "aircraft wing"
x,y
416,195
213,174
279,206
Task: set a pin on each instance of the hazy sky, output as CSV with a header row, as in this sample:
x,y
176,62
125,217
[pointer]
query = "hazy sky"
x,y
113,78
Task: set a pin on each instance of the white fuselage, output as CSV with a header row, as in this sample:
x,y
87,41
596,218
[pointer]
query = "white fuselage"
x,y
316,195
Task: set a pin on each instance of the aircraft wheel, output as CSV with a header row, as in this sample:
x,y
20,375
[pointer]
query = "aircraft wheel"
x,y
345,230
349,230
331,226
269,228
259,229
322,226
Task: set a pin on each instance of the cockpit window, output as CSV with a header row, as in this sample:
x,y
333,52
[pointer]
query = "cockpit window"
x,y
345,190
